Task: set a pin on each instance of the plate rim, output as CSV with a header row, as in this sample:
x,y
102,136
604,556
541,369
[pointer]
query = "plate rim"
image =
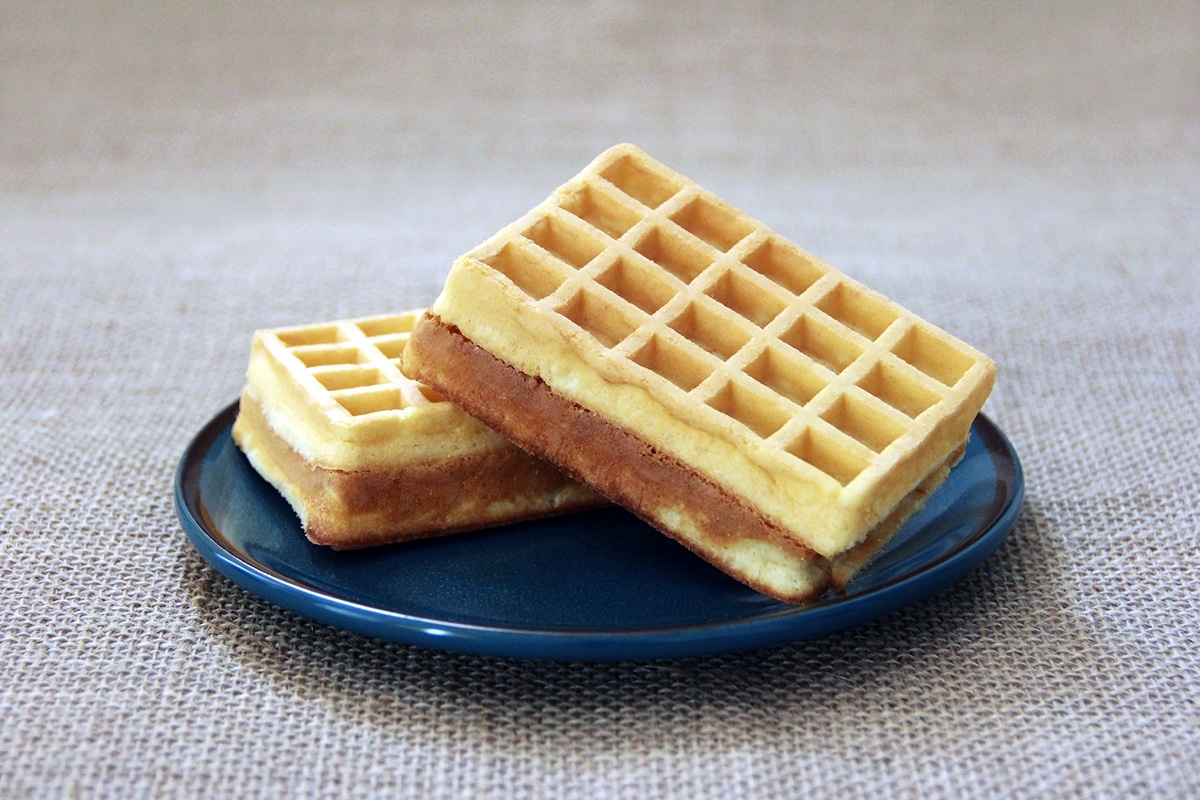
x,y
646,643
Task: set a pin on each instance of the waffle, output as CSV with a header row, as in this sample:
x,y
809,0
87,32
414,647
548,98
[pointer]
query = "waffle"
x,y
367,456
740,395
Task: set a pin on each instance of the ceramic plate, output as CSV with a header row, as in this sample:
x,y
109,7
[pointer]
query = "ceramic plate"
x,y
594,586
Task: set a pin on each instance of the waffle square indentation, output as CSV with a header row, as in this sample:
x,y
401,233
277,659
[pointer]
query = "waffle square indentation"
x,y
859,419
933,356
338,378
702,325
531,275
602,212
824,451
598,316
392,347
756,409
682,260
821,343
740,294
359,403
648,186
786,375
900,391
785,266
713,223
323,355
682,367
568,243
636,283
858,309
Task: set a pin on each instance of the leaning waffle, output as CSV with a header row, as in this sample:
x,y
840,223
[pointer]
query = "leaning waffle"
x,y
743,397
367,456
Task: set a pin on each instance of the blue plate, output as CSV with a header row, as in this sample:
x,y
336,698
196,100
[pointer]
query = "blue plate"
x,y
596,586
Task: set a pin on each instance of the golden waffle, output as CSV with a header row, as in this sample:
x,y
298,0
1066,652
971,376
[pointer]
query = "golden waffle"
x,y
368,456
740,395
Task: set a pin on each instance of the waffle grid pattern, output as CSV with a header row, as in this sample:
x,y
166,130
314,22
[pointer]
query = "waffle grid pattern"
x,y
667,276
354,364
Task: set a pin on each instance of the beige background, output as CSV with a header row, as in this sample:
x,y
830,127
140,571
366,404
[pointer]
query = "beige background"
x,y
174,175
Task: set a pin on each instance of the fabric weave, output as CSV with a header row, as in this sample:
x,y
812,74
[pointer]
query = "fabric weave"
x,y
174,176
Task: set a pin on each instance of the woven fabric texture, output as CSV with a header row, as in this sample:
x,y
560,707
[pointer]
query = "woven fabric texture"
x,y
175,175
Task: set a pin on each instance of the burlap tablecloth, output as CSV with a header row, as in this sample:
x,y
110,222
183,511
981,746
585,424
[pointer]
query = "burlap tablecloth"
x,y
174,175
